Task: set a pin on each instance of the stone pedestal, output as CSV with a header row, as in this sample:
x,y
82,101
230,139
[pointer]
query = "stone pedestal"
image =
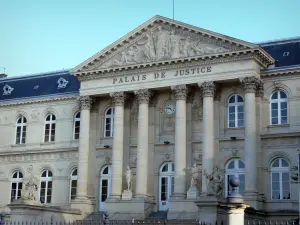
x,y
33,211
207,208
136,208
231,214
192,193
127,195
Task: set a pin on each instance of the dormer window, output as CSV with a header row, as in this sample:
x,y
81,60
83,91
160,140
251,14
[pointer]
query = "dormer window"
x,y
286,54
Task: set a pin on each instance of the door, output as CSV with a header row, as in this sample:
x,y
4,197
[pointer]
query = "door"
x,y
166,185
105,182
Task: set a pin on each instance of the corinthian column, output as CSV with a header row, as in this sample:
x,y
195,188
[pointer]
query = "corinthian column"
x,y
143,96
250,84
84,147
180,92
208,91
118,99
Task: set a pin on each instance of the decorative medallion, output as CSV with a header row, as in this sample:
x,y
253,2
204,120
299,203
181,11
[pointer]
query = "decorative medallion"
x,y
7,90
62,83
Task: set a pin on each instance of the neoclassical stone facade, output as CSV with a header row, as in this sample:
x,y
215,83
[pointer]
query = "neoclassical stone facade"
x,y
180,108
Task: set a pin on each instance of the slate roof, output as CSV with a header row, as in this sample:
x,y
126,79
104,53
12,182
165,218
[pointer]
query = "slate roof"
x,y
286,52
38,86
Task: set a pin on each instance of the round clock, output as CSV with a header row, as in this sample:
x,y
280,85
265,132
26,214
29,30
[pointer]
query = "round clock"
x,y
170,108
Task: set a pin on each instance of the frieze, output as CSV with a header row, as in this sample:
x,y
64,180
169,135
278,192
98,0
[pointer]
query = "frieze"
x,y
162,43
61,156
277,142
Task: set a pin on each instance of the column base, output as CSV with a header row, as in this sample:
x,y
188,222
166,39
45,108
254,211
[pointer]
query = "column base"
x,y
182,209
207,208
84,204
136,208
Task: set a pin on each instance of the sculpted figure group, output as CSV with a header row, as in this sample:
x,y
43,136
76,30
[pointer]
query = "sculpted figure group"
x,y
163,44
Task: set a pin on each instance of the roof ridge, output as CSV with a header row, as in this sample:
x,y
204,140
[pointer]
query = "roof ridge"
x,y
279,41
50,73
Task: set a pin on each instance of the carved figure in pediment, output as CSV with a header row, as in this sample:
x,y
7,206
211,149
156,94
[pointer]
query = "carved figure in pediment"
x,y
162,44
149,47
188,47
174,50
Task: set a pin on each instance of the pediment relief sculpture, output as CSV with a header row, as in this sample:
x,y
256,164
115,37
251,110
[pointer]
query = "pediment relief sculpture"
x,y
163,43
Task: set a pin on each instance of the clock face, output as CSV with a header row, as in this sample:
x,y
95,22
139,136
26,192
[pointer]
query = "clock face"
x,y
170,108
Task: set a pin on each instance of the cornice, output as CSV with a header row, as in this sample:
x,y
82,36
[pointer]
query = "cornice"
x,y
281,71
38,100
258,54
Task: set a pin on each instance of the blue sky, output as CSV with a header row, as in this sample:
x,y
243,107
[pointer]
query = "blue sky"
x,y
45,35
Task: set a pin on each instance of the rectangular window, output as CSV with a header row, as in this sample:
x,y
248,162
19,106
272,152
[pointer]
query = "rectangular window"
x,y
76,130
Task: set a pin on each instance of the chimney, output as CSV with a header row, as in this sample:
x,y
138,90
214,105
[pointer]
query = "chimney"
x,y
3,75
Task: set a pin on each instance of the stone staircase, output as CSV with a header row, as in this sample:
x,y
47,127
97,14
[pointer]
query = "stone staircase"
x,y
160,215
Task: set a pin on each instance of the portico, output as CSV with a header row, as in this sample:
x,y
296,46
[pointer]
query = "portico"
x,y
129,70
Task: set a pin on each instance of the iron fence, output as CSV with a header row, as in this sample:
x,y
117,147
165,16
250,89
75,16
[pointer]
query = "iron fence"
x,y
147,222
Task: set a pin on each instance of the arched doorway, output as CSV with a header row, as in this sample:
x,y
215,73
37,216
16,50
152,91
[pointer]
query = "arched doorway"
x,y
105,182
166,185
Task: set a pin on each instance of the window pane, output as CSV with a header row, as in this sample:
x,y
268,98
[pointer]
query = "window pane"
x,y
44,174
15,175
232,99
274,106
241,116
231,116
275,163
275,120
231,123
241,108
274,113
240,123
283,113
164,189
20,175
165,168
231,109
78,115
275,194
49,173
284,163
53,117
231,165
283,95
74,172
241,164
240,99
275,95
105,171
242,184
275,177
283,105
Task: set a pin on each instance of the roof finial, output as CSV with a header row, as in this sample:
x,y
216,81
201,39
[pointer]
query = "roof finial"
x,y
173,8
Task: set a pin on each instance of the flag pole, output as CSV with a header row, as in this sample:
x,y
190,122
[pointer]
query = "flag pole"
x,y
173,8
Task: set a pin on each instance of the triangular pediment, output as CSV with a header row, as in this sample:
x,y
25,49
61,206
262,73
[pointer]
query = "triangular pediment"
x,y
159,40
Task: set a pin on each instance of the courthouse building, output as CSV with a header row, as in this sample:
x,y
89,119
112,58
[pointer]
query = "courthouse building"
x,y
179,108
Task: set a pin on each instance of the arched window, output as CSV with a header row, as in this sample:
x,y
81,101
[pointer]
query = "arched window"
x,y
279,108
105,183
280,179
50,128
76,126
73,184
109,122
235,167
21,130
235,111
46,187
16,186
166,185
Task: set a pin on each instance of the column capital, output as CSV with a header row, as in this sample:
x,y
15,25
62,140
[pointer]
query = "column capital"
x,y
250,84
85,102
260,90
208,88
180,91
143,95
118,98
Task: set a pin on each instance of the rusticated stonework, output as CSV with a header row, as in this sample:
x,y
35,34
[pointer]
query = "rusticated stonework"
x,y
250,84
118,98
208,88
85,102
180,91
143,95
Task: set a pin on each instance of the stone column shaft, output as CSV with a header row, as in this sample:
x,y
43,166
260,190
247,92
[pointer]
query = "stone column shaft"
x,y
208,90
84,147
142,143
118,99
180,92
250,85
